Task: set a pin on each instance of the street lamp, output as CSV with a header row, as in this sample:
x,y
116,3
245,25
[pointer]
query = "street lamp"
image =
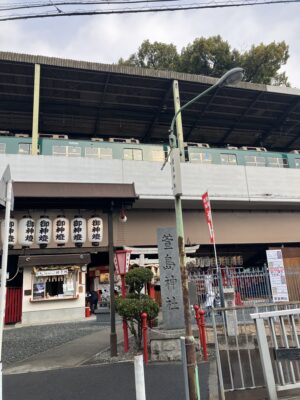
x,y
231,77
122,258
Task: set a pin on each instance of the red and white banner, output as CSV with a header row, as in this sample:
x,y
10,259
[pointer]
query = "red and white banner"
x,y
207,210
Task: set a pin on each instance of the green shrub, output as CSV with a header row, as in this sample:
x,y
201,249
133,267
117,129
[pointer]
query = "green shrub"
x,y
134,304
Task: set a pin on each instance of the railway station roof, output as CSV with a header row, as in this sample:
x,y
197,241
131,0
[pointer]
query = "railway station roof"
x,y
85,100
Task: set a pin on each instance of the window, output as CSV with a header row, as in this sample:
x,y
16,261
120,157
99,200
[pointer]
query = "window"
x,y
255,161
132,154
24,148
106,153
297,162
158,155
98,152
74,151
2,148
229,159
67,151
54,283
277,162
91,152
204,158
59,150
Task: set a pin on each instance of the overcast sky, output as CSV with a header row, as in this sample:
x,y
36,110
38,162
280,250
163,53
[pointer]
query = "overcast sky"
x,y
106,38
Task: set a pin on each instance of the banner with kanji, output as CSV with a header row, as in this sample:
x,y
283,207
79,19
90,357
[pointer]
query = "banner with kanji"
x,y
207,210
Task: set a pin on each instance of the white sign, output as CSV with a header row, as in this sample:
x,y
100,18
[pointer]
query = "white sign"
x,y
52,272
277,275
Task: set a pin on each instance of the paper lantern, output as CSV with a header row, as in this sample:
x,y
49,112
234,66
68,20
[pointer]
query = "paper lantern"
x,y
61,230
26,231
12,232
95,230
78,229
43,231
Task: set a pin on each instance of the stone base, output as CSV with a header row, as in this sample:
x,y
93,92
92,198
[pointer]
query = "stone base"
x,y
165,344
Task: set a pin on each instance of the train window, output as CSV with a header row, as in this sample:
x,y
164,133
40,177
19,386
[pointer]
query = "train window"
x,y
204,158
59,150
277,162
106,153
158,155
229,159
91,152
255,161
24,148
74,151
297,162
133,154
2,148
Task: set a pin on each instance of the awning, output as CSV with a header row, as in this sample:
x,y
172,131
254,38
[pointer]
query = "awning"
x,y
73,195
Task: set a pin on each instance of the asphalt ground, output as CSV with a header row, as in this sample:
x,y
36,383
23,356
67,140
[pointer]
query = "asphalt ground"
x,y
163,381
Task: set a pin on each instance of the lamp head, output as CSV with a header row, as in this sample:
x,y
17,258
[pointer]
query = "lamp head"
x,y
123,217
231,77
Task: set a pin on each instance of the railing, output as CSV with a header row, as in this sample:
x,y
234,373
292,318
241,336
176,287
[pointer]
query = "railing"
x,y
278,332
235,340
251,286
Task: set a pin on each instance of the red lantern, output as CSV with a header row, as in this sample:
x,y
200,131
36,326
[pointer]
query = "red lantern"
x,y
122,258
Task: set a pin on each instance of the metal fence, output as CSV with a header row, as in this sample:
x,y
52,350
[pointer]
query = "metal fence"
x,y
251,285
237,350
278,339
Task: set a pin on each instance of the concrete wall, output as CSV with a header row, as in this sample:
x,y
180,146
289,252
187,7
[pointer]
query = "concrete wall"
x,y
223,182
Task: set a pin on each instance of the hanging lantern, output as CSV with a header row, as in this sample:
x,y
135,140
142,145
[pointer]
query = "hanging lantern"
x,y
12,232
26,231
95,230
61,230
78,229
43,230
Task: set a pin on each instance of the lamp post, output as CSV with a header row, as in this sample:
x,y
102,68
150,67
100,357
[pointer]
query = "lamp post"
x,y
231,77
122,258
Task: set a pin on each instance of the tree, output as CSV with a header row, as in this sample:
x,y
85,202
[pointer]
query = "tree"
x,y
134,304
156,56
214,56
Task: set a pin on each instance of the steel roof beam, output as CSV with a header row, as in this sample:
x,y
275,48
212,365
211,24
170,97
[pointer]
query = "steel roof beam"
x,y
251,105
202,113
278,122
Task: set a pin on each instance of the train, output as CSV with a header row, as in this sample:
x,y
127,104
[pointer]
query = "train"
x,y
132,149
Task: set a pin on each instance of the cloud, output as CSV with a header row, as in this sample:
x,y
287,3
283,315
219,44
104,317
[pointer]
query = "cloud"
x,y
107,38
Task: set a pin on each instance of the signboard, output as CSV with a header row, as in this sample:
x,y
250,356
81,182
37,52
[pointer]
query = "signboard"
x,y
170,278
277,276
176,172
52,272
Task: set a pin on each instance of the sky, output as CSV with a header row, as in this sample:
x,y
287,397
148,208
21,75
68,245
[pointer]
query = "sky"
x,y
106,38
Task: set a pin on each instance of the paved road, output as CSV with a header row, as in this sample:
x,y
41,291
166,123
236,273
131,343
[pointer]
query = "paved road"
x,y
109,381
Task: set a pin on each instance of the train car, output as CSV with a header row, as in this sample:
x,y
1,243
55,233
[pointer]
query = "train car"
x,y
19,144
114,148
248,156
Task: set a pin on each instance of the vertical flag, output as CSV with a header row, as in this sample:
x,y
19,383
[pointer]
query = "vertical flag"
x,y
207,210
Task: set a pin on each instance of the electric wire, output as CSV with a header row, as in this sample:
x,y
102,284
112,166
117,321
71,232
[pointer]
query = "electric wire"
x,y
161,8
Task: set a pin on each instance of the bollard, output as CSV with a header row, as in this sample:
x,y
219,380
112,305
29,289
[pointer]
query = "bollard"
x,y
197,316
144,327
203,334
140,389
